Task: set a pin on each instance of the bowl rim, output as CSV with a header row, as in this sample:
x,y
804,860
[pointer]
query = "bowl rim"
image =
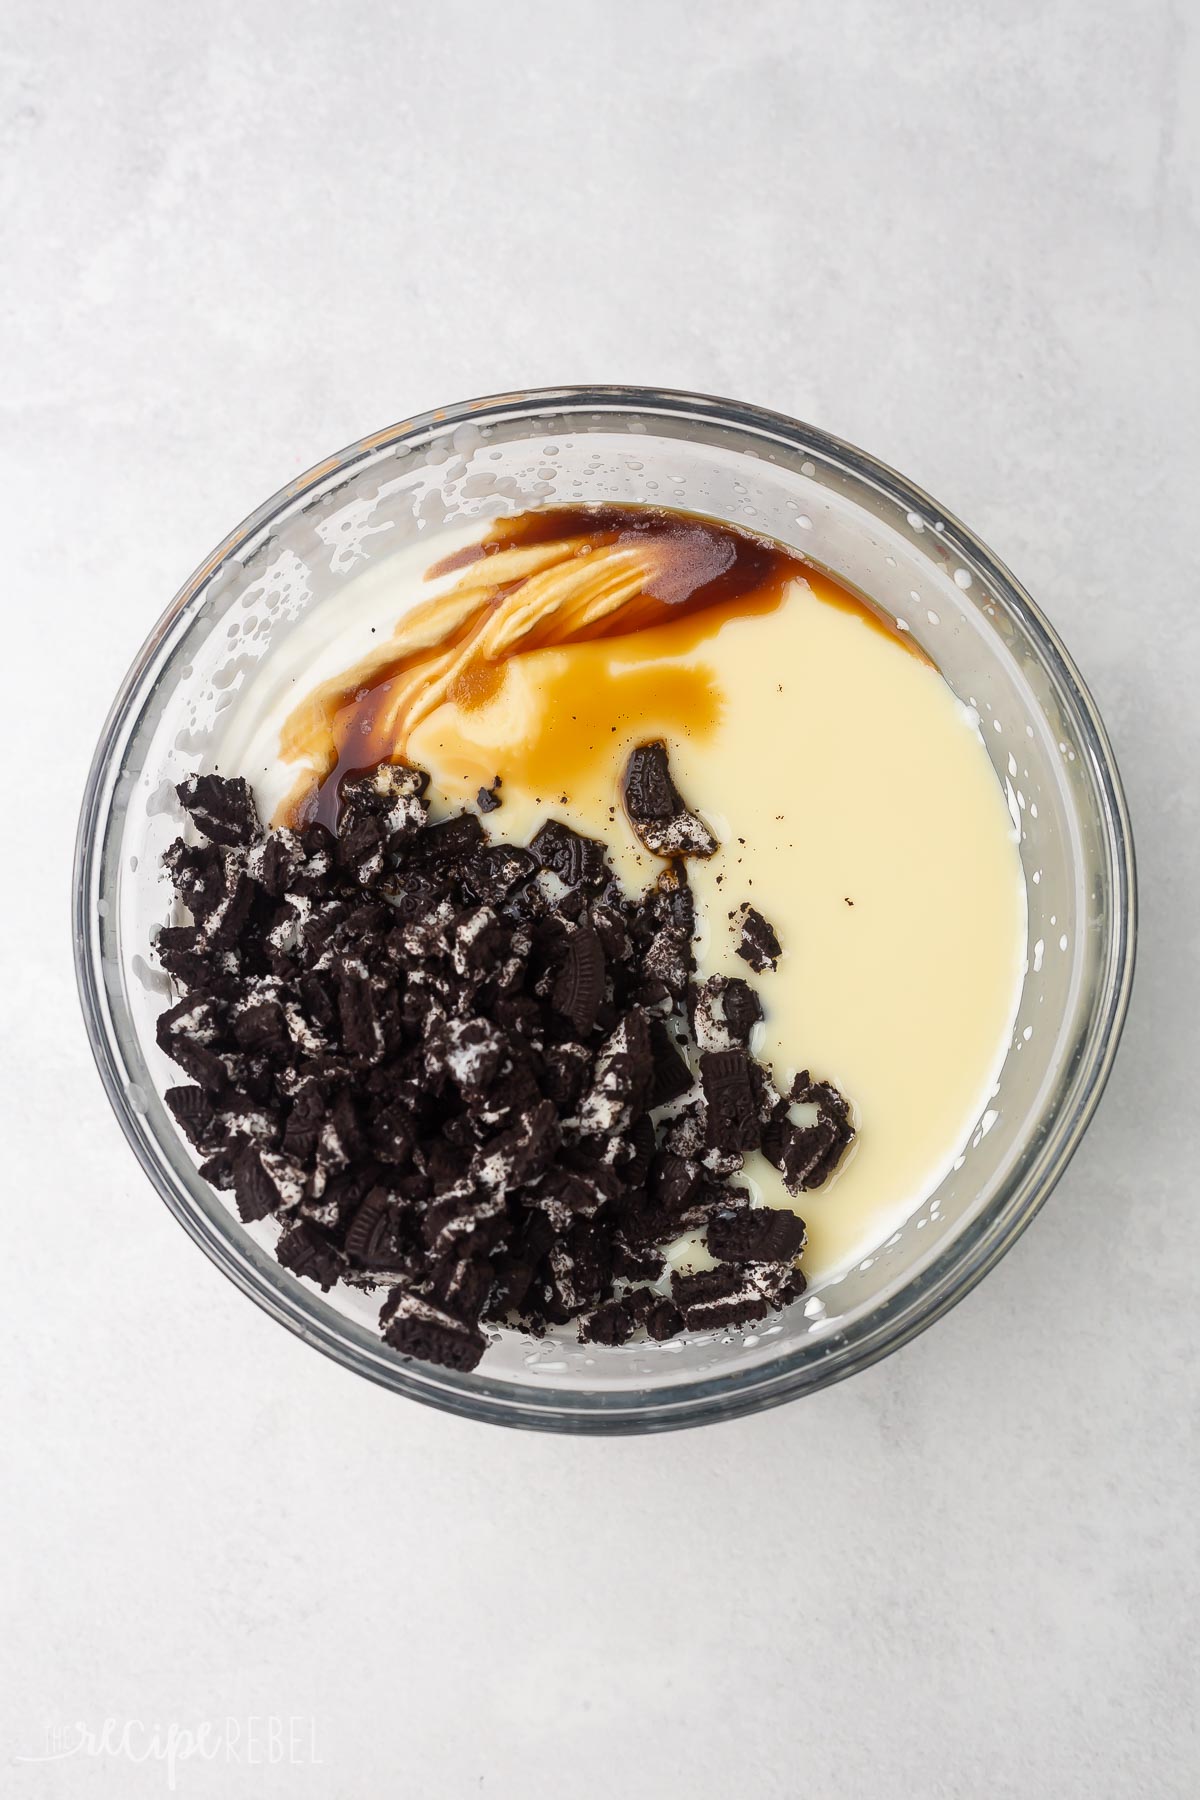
x,y
949,1277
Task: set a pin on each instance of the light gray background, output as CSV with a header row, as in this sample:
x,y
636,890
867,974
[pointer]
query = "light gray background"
x,y
237,236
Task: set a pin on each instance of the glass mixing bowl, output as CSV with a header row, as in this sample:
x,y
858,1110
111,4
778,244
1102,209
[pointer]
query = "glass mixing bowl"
x,y
844,512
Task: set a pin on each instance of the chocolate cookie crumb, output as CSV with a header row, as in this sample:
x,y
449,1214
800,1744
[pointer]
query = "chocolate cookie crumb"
x,y
418,1328
579,988
672,1077
756,1234
807,1154
656,809
223,810
742,1007
732,1116
759,945
718,1297
610,1323
577,861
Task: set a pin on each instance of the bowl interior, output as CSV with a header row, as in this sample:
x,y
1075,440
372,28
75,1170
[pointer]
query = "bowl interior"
x,y
844,513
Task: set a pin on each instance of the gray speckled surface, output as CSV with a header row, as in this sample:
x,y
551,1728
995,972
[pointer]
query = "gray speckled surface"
x,y
240,236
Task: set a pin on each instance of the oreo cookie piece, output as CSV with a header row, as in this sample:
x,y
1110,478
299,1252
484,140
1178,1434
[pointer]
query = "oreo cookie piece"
x,y
641,1140
218,1170
375,1237
263,1026
718,1297
756,1234
221,808
731,1110
670,901
758,944
417,1327
392,1133
674,1182
496,870
724,1011
256,1195
512,1277
807,1153
668,959
192,1110
470,1051
577,861
448,845
622,1078
518,1155
660,1318
362,1034
189,1033
274,860
392,795
579,988
460,1223
806,1091
656,809
198,872
804,1155
360,849
672,1076
635,1262
565,1073
306,1114
742,1008
462,1286
307,1250
610,1323
570,1285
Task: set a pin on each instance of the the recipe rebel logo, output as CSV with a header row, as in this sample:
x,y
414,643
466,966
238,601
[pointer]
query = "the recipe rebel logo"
x,y
260,1740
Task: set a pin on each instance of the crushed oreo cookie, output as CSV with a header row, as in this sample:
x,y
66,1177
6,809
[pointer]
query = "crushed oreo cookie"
x,y
806,1153
492,1096
656,809
759,945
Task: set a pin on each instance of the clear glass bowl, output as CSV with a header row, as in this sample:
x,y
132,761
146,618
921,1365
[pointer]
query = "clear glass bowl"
x,y
843,511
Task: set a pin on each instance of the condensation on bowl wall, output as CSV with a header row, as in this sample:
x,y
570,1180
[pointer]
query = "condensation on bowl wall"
x,y
871,530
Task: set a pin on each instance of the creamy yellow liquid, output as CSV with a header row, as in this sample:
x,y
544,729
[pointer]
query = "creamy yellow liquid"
x,y
856,808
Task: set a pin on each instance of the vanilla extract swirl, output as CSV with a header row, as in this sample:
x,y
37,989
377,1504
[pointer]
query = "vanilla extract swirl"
x,y
545,579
